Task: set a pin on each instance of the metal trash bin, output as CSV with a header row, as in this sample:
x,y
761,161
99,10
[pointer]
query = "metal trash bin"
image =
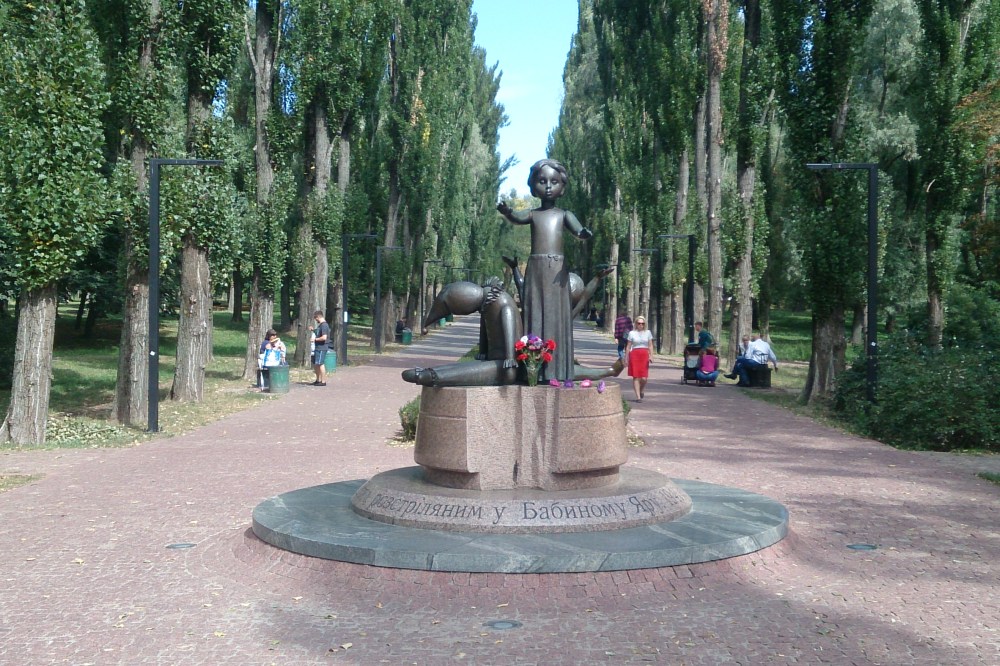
x,y
407,337
277,379
331,361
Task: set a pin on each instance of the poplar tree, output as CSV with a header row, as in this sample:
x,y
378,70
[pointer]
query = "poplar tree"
x,y
52,95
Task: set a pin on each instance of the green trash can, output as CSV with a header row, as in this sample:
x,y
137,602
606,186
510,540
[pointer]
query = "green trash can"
x,y
331,361
441,322
407,336
450,318
277,379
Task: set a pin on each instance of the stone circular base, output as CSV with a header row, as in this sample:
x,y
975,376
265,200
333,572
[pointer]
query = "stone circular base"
x,y
404,497
320,522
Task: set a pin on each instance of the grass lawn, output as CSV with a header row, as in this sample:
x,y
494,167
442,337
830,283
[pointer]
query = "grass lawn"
x,y
84,372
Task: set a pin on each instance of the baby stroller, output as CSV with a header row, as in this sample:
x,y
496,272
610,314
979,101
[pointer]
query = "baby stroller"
x,y
691,351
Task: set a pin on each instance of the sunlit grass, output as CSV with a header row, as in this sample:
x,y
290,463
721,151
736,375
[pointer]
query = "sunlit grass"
x,y
84,372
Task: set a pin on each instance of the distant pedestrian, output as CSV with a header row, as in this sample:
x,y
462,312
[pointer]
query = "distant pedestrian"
x,y
623,326
322,332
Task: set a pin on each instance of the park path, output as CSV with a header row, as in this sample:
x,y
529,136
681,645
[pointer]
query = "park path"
x,y
87,577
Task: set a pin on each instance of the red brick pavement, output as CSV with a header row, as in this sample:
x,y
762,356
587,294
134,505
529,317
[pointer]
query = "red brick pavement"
x,y
86,578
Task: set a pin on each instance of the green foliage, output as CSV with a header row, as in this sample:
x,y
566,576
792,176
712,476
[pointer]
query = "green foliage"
x,y
927,399
52,194
408,414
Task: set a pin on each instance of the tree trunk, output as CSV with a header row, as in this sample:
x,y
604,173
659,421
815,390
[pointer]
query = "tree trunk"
x,y
717,15
858,325
741,321
827,360
24,424
312,295
81,308
94,312
193,334
612,312
132,386
131,402
261,319
678,334
335,291
236,288
263,52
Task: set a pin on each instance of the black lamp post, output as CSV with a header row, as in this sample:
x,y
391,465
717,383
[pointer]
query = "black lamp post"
x,y
347,315
376,323
423,291
689,293
153,398
871,342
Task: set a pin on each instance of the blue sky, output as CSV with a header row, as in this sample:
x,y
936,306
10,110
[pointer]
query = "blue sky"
x,y
530,40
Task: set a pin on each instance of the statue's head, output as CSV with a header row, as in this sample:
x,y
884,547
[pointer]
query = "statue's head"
x,y
552,172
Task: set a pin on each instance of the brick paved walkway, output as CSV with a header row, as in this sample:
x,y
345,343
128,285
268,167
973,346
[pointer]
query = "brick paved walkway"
x,y
86,576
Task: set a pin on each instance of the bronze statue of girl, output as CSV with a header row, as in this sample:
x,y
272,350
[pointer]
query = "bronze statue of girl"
x,y
547,309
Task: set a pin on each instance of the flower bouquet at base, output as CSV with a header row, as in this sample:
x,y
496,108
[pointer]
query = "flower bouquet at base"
x,y
532,352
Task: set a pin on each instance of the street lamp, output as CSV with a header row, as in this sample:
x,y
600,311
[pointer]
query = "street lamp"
x,y
153,399
423,291
347,315
376,321
871,342
689,293
659,290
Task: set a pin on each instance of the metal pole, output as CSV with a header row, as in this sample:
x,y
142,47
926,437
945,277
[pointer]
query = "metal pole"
x,y
153,397
378,300
344,314
871,338
659,301
871,351
153,369
689,307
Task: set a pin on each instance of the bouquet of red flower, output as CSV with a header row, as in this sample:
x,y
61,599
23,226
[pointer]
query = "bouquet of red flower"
x,y
532,351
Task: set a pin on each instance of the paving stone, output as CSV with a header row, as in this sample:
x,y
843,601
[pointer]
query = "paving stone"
x,y
86,577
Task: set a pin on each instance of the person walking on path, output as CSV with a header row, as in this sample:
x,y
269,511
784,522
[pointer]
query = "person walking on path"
x,y
623,325
322,342
638,352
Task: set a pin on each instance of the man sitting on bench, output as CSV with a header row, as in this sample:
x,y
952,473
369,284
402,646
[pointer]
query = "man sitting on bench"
x,y
757,356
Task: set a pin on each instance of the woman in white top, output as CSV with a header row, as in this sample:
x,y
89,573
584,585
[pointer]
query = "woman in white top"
x,y
637,351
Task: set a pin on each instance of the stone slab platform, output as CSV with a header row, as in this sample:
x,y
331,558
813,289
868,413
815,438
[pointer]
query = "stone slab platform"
x,y
320,522
404,497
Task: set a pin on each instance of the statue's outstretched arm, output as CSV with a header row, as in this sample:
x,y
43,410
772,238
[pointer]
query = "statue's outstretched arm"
x,y
574,227
588,291
515,216
516,275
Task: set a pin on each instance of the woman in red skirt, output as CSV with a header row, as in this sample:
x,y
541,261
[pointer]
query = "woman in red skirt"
x,y
637,351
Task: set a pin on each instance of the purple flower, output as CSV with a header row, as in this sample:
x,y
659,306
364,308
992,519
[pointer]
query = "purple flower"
x,y
568,384
601,387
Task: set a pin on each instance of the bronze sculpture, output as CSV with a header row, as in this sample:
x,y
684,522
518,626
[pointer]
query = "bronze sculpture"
x,y
546,305
551,296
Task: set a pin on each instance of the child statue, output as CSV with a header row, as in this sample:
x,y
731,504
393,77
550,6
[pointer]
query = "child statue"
x,y
546,306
